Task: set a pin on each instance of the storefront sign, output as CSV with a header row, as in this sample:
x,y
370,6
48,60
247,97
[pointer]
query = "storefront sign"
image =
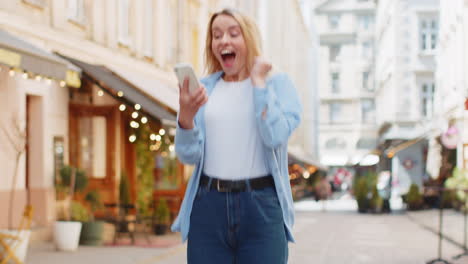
x,y
73,79
10,58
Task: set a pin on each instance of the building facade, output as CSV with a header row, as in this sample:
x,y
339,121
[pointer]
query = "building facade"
x,y
450,75
346,79
134,44
406,45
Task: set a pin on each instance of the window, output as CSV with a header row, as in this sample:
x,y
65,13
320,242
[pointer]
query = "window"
x,y
124,20
335,81
333,21
366,49
367,84
428,34
335,143
334,52
59,150
368,110
171,32
427,99
148,44
76,10
365,22
92,143
335,112
366,143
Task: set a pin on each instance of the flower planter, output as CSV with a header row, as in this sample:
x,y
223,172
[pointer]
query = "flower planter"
x,y
67,235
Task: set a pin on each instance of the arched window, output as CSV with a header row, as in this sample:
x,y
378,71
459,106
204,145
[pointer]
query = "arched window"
x,y
366,143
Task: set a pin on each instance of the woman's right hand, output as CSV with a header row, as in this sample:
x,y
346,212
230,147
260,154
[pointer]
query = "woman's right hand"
x,y
189,103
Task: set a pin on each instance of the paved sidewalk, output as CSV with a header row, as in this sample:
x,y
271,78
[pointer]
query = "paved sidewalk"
x,y
335,236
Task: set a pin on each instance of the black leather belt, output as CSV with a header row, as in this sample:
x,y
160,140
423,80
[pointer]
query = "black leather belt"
x,y
237,186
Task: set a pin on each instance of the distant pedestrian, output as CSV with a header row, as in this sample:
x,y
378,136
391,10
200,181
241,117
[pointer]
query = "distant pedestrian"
x,y
234,128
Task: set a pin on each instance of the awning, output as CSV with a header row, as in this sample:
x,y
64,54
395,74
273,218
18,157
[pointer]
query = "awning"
x,y
338,160
297,155
22,55
392,151
160,91
115,85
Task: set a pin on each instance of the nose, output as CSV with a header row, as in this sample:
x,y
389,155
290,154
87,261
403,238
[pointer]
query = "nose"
x,y
225,38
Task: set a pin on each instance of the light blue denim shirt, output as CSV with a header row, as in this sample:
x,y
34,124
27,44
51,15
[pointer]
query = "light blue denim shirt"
x,y
283,115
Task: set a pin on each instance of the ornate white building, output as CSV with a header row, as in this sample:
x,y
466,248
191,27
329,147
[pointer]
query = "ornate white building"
x,y
346,81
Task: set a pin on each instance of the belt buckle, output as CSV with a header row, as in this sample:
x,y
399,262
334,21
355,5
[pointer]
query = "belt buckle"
x,y
219,188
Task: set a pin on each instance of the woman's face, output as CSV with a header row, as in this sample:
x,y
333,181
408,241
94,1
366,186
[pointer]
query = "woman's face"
x,y
229,48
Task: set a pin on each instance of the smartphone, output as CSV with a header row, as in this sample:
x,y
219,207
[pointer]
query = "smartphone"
x,y
185,70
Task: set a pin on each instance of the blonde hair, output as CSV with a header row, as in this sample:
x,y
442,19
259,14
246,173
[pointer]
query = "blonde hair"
x,y
250,33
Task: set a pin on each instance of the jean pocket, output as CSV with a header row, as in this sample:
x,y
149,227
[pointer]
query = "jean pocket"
x,y
267,206
267,194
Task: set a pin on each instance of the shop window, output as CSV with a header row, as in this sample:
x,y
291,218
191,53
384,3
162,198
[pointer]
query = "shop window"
x,y
91,140
59,148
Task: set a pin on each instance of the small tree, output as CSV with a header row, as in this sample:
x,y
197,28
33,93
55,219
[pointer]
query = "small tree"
x,y
17,137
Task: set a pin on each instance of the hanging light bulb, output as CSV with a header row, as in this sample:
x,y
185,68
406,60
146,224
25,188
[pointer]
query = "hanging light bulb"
x,y
120,94
137,107
153,136
62,83
135,115
122,107
162,131
132,138
100,93
12,73
158,137
144,120
171,148
25,75
134,124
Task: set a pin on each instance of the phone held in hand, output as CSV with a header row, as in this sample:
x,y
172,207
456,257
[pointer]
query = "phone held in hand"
x,y
185,70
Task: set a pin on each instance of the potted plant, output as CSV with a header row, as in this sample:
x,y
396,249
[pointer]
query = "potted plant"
x,y
162,217
92,230
361,193
70,214
414,199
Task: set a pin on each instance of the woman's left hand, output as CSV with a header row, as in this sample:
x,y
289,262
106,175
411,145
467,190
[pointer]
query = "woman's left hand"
x,y
259,72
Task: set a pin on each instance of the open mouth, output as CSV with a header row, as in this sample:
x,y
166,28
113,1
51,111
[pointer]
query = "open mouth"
x,y
228,57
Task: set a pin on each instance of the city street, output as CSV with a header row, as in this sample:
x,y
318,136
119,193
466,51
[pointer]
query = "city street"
x,y
337,235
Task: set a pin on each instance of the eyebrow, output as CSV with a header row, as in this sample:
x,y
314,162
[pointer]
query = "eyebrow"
x,y
229,28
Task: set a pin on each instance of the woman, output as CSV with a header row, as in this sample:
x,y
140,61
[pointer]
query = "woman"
x,y
234,128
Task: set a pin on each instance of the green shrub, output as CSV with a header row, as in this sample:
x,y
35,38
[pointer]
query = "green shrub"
x,y
79,212
414,198
162,212
360,192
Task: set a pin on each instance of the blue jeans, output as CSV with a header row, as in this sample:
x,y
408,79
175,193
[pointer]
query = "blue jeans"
x,y
237,228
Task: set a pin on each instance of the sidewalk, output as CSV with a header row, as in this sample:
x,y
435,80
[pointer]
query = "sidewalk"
x,y
453,224
161,249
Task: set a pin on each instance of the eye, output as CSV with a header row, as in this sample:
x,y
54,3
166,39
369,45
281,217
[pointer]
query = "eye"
x,y
235,33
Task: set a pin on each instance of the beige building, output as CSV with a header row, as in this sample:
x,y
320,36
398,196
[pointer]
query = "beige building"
x,y
133,43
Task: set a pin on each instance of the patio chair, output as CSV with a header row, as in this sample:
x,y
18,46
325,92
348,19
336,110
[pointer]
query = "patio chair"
x,y
10,242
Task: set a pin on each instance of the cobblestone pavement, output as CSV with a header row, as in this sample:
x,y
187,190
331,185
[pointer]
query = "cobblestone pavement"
x,y
336,235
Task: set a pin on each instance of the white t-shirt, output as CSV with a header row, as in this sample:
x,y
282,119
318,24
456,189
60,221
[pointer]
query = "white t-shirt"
x,y
233,147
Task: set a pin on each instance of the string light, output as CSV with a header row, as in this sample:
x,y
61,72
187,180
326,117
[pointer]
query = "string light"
x,y
122,107
25,75
153,136
132,138
162,131
100,93
12,73
62,83
171,148
137,107
134,124
120,94
144,120
135,115
38,78
158,137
